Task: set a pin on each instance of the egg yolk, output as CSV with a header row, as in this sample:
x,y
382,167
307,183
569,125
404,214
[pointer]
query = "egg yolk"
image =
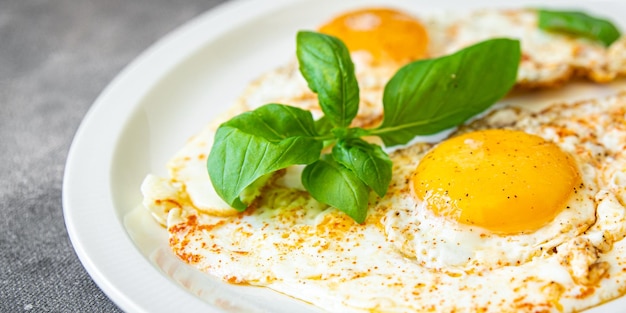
x,y
389,36
502,180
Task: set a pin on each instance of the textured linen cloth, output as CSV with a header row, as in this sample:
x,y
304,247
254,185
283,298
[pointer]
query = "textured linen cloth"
x,y
56,56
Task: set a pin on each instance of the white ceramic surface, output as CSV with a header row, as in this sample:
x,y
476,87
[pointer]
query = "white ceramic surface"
x,y
166,95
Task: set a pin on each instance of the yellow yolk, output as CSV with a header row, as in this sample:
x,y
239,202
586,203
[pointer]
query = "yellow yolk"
x,y
502,180
389,36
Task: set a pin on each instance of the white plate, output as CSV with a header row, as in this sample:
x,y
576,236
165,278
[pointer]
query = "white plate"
x,y
145,115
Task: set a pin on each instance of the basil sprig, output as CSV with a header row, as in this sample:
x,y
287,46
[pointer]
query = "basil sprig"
x,y
423,97
579,24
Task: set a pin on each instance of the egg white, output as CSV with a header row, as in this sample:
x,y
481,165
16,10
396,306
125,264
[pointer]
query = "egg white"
x,y
290,243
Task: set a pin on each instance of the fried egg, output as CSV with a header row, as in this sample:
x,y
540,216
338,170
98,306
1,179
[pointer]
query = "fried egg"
x,y
536,224
381,40
548,58
410,255
488,199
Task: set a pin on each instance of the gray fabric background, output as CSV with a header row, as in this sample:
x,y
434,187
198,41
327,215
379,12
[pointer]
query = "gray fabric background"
x,y
56,56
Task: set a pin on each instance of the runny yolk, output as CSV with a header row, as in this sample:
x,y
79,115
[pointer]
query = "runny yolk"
x,y
389,36
502,180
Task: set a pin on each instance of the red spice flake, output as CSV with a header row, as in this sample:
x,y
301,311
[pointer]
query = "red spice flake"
x,y
189,257
586,292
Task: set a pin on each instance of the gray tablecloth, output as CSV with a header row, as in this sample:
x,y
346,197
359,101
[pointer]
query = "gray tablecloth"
x,y
55,58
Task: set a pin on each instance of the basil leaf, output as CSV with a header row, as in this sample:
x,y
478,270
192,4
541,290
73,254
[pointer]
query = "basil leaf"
x,y
331,183
368,162
579,24
428,96
326,65
323,126
257,143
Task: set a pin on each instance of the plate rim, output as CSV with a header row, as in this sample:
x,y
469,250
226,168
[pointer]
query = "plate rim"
x,y
128,295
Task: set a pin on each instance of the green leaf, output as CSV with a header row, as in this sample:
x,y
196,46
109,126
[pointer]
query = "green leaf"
x,y
323,126
326,65
257,143
428,96
368,162
579,24
275,122
331,183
